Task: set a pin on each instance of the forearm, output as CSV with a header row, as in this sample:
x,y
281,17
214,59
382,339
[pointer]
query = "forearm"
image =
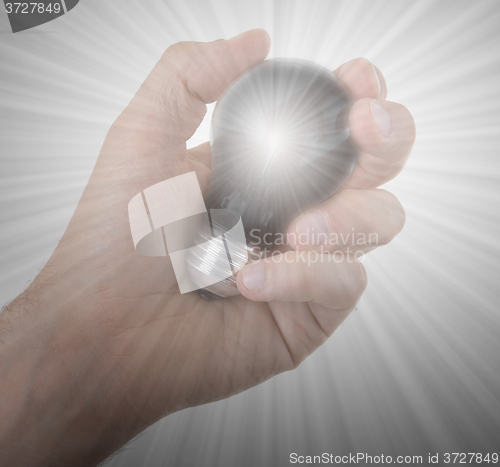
x,y
50,414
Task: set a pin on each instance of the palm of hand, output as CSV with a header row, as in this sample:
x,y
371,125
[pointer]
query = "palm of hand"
x,y
172,350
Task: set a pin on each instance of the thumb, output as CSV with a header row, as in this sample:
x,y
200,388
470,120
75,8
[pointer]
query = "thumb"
x,y
171,103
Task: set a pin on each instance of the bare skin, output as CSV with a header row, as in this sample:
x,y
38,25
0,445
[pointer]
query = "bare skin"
x,y
102,344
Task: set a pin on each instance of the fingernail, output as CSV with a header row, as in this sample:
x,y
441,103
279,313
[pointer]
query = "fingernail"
x,y
381,117
379,84
312,229
253,277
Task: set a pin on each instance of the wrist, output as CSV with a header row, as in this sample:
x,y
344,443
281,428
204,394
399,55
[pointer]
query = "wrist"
x,y
55,398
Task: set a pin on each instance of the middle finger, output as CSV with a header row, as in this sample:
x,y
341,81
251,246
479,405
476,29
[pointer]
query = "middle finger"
x,y
359,219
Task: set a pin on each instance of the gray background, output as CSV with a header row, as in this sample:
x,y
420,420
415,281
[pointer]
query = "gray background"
x,y
416,368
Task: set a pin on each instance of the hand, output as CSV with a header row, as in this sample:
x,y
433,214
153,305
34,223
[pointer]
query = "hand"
x,y
101,345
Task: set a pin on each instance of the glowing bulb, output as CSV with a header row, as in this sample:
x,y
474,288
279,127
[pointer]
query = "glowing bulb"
x,y
280,144
274,140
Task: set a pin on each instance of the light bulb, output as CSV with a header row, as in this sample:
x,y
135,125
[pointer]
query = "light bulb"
x,y
280,144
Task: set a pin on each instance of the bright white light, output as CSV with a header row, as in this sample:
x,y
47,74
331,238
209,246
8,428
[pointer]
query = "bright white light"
x,y
274,141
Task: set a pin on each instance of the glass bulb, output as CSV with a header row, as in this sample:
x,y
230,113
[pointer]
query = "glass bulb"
x,y
280,144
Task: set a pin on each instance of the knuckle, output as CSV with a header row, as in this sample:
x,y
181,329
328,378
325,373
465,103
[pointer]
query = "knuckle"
x,y
364,63
362,77
396,216
356,284
178,59
412,128
389,219
408,129
342,288
364,129
400,218
351,200
363,279
383,84
177,52
350,197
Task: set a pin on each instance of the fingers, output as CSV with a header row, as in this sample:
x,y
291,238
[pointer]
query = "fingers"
x,y
170,104
324,279
362,78
383,131
359,220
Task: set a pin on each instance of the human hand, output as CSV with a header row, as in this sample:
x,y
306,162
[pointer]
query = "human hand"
x,y
108,343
